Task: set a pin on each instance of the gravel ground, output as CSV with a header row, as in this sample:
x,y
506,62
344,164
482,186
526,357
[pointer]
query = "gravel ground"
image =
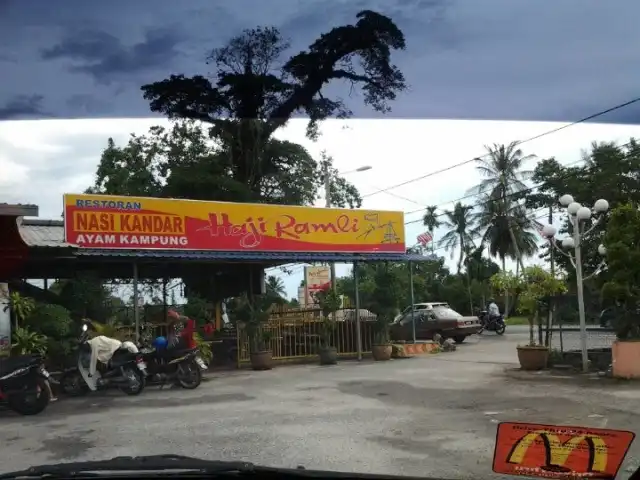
x,y
427,416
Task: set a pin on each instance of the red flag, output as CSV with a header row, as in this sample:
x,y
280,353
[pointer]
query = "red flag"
x,y
425,238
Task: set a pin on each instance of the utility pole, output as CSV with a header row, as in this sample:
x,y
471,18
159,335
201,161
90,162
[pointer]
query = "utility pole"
x,y
327,204
551,300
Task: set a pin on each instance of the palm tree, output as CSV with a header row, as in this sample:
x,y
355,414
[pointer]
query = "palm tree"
x,y
496,227
460,222
431,220
504,178
275,286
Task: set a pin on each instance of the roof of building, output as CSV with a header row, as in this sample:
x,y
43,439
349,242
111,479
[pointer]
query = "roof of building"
x,y
277,257
18,209
42,233
50,234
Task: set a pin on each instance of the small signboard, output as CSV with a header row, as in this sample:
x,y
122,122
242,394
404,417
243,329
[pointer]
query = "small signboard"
x,y
559,451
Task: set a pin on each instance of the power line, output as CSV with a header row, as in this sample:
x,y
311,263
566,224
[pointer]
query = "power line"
x,y
469,195
535,137
521,192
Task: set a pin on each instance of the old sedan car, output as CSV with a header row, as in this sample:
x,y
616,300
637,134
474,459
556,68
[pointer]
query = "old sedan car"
x,y
432,318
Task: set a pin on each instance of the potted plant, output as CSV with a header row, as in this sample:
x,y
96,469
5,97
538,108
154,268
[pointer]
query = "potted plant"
x,y
254,314
330,302
384,303
531,289
622,249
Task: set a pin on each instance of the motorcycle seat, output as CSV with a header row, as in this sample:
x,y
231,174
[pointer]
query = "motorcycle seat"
x,y
122,356
8,365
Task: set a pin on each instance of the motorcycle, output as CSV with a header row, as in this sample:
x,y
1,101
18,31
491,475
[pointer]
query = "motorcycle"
x,y
125,370
24,384
181,366
495,324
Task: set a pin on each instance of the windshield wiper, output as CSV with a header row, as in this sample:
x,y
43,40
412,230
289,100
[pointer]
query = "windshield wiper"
x,y
133,464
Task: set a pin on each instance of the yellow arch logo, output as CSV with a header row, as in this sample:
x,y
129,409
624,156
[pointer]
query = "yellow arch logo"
x,y
557,452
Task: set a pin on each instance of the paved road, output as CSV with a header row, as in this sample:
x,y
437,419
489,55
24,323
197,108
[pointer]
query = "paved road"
x,y
434,415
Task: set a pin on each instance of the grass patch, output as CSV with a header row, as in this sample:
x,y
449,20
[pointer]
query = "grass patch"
x,y
517,321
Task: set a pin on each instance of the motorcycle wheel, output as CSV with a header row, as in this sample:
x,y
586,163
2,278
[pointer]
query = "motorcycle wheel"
x,y
500,329
189,376
28,403
136,382
72,384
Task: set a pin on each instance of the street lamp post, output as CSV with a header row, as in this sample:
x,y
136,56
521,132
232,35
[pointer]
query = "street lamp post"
x,y
578,216
328,178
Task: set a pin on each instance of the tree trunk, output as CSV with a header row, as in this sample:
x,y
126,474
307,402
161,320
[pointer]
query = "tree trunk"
x,y
506,292
532,319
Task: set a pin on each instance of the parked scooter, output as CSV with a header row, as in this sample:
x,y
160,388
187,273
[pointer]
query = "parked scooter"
x,y
125,370
24,384
180,366
495,324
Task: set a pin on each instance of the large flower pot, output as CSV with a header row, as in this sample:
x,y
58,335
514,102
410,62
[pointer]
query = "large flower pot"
x,y
533,357
381,352
328,355
261,360
625,359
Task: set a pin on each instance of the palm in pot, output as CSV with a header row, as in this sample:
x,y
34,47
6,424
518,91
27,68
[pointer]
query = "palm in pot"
x,y
330,302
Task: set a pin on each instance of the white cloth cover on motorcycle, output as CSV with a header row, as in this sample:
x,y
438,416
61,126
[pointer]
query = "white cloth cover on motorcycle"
x,y
102,348
130,346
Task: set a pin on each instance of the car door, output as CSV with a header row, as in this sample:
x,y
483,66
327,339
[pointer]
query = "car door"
x,y
427,324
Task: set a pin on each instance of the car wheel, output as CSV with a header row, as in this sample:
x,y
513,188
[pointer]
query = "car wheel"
x,y
459,338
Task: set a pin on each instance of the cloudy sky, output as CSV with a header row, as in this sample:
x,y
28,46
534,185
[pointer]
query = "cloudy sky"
x,y
496,59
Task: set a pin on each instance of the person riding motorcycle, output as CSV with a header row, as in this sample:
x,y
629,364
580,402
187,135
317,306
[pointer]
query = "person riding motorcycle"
x,y
493,310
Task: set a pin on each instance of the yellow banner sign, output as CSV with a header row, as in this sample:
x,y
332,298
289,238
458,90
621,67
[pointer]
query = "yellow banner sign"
x,y
102,221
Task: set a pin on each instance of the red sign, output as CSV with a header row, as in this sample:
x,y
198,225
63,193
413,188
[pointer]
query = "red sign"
x,y
558,451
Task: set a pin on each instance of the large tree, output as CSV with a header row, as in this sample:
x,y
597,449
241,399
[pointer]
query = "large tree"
x,y
182,162
608,171
254,91
222,146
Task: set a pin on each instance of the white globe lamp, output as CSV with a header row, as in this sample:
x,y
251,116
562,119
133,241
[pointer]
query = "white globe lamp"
x,y
548,231
573,208
602,250
583,213
566,200
568,243
601,206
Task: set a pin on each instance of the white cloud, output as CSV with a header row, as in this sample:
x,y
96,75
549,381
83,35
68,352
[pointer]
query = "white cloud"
x,y
42,160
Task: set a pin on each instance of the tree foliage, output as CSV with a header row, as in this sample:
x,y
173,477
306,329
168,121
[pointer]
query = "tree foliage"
x,y
622,240
608,171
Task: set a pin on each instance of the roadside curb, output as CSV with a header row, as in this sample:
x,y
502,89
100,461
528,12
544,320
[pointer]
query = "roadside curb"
x,y
573,377
408,350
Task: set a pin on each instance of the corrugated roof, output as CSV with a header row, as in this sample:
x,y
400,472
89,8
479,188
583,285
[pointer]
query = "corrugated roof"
x,y
18,209
42,233
258,256
50,234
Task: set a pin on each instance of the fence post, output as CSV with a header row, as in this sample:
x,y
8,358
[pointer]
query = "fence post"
x,y
357,295
136,313
413,309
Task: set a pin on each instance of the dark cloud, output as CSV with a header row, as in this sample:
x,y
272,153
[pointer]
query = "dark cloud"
x,y
105,57
495,59
23,106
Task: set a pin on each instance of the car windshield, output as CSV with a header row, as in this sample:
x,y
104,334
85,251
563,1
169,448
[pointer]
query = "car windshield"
x,y
244,201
